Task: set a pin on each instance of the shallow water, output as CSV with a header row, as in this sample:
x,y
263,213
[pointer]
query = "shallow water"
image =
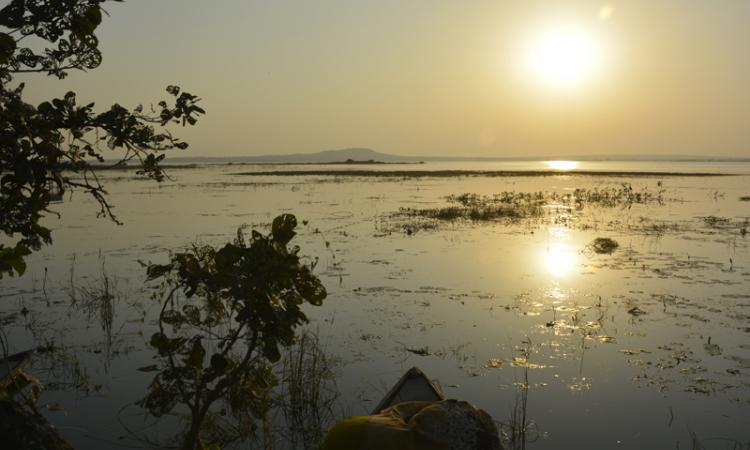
x,y
637,349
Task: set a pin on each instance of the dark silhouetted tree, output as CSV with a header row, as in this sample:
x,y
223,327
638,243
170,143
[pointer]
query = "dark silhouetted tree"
x,y
48,149
224,314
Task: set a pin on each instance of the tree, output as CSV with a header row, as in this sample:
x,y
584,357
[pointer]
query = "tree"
x,y
47,149
224,314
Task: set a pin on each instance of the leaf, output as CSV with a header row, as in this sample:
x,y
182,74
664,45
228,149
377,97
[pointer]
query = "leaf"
x,y
219,363
11,16
282,228
93,16
192,314
197,354
271,351
154,271
151,368
7,47
173,317
159,341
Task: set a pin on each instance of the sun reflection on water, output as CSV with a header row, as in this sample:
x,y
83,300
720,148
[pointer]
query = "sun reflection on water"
x,y
560,260
560,257
562,165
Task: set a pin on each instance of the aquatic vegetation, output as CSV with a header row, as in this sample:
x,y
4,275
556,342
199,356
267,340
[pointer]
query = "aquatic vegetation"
x,y
622,196
512,207
603,246
307,393
519,430
97,299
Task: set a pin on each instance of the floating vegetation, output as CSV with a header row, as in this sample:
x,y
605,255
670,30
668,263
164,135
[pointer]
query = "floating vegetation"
x,y
523,361
512,206
506,205
493,363
624,195
716,222
636,311
422,351
603,246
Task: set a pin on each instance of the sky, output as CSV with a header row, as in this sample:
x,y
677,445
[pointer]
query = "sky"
x,y
445,78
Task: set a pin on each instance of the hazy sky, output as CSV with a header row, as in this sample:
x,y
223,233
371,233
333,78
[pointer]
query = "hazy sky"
x,y
427,77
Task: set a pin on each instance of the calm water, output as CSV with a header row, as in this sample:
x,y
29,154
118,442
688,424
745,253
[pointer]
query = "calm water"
x,y
637,349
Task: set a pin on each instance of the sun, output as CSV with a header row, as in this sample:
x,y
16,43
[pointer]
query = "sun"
x,y
564,57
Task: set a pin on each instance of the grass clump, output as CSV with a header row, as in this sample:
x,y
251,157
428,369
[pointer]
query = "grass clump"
x,y
603,246
506,205
623,196
308,393
512,207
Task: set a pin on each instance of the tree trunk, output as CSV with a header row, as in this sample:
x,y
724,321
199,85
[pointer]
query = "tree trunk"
x,y
193,437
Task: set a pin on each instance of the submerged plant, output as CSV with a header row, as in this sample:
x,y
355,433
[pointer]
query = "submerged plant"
x,y
224,314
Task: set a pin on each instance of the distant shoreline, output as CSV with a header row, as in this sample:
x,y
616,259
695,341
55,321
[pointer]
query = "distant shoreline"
x,y
417,173
167,165
475,173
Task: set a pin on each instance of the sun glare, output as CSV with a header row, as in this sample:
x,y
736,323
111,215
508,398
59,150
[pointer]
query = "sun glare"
x,y
563,57
560,260
561,165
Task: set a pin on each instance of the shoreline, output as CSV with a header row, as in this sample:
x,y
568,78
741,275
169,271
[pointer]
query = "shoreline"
x,y
477,173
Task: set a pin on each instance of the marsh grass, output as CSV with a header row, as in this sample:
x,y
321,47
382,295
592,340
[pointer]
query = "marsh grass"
x,y
511,206
97,301
518,430
307,393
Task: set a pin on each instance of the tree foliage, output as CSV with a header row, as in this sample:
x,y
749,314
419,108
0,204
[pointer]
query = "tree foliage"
x,y
225,313
48,149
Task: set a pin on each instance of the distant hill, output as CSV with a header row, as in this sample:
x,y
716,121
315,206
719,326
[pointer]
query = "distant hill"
x,y
367,154
326,156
